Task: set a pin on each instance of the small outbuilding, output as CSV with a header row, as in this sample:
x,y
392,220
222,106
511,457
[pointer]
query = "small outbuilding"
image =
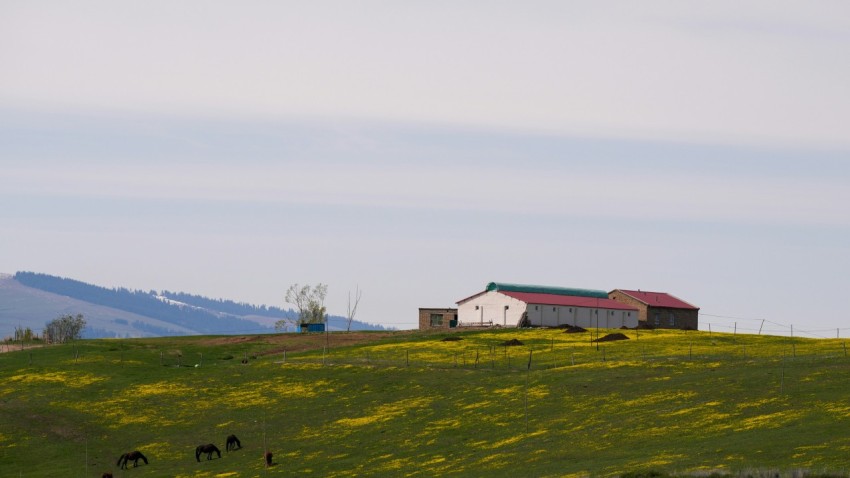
x,y
518,305
430,318
659,309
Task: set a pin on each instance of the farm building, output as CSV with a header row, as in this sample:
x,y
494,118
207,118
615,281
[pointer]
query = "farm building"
x,y
437,318
659,309
507,305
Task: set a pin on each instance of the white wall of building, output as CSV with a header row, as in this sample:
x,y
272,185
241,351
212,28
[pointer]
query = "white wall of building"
x,y
490,307
553,316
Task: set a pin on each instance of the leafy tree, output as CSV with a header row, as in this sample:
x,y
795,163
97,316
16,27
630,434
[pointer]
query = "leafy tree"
x,y
23,334
310,302
65,328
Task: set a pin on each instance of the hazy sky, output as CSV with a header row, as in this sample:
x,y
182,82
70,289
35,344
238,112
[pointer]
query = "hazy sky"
x,y
422,149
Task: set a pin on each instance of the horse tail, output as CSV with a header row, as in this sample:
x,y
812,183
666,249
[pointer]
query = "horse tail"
x,y
121,458
198,453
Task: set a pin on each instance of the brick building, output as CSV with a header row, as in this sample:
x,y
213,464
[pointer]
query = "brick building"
x,y
437,318
659,309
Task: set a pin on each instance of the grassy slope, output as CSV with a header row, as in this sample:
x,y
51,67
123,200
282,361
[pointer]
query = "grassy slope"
x,y
413,405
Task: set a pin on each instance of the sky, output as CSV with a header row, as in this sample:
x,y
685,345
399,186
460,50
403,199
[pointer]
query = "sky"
x,y
419,150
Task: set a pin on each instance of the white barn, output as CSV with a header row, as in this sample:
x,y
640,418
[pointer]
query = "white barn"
x,y
505,305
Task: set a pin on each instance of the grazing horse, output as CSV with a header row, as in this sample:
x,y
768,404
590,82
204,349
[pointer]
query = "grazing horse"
x,y
209,449
233,443
267,456
133,455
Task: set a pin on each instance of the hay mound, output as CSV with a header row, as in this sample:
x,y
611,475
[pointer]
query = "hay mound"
x,y
451,339
511,343
574,329
612,338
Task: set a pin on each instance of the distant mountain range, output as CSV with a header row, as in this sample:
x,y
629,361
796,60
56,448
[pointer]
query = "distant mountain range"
x,y
29,299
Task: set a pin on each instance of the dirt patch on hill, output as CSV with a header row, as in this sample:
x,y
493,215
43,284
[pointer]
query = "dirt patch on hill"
x,y
277,343
612,338
452,338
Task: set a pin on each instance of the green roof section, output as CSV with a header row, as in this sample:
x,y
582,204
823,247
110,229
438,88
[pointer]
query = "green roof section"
x,y
544,289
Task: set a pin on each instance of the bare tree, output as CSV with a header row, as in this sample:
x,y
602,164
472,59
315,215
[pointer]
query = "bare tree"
x,y
353,310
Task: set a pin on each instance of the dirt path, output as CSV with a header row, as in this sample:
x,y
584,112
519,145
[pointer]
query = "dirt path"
x,y
303,342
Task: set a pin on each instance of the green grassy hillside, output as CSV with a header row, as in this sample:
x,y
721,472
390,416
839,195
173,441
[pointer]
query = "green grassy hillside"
x,y
412,404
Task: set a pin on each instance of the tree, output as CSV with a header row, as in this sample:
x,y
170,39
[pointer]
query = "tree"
x,y
310,302
65,328
23,334
353,310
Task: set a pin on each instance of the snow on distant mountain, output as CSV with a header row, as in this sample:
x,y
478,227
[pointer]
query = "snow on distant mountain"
x,y
31,300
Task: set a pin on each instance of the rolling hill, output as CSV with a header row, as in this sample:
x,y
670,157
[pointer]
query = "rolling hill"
x,y
411,403
29,299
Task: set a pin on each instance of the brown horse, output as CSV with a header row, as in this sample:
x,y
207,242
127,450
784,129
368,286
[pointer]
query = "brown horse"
x,y
133,455
209,449
233,443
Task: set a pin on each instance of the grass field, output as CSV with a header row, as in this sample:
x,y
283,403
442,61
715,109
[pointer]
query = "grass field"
x,y
412,404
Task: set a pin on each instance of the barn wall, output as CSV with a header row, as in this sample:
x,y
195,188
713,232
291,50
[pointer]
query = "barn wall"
x,y
553,316
489,307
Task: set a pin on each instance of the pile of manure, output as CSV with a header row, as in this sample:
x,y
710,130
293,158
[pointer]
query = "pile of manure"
x,y
611,338
574,329
511,343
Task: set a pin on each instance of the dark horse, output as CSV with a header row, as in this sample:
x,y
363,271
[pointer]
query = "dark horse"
x,y
133,455
209,449
267,457
233,443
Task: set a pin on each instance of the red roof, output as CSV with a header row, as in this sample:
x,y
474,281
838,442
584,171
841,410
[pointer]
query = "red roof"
x,y
658,299
567,300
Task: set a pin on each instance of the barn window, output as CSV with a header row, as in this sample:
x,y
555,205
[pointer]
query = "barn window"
x,y
553,309
571,309
535,307
436,320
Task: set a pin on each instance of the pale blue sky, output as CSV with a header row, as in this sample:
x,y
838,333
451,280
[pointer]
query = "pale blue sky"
x,y
422,149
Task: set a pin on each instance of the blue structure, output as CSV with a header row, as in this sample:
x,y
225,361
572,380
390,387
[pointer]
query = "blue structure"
x,y
311,328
